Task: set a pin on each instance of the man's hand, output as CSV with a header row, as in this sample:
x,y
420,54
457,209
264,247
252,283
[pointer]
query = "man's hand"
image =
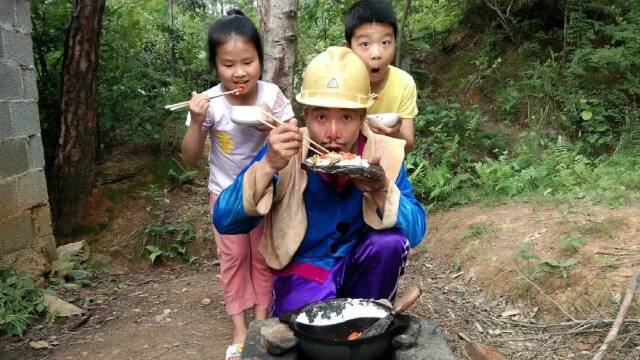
x,y
263,127
372,186
283,142
393,131
198,106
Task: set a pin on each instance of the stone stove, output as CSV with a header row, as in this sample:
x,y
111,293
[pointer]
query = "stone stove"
x,y
429,344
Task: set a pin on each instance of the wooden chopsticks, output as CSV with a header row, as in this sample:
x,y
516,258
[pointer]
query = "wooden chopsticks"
x,y
180,105
324,150
317,147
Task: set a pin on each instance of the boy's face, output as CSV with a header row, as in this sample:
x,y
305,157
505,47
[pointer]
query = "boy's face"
x,y
334,128
375,44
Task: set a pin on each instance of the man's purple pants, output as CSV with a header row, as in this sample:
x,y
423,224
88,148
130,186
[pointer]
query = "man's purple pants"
x,y
370,270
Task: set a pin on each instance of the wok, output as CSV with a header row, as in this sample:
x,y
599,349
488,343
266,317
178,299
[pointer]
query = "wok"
x,y
323,328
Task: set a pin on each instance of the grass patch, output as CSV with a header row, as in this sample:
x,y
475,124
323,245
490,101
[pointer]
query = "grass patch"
x,y
604,229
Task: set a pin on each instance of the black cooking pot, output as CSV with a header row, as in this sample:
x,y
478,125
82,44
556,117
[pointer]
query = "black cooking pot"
x,y
323,328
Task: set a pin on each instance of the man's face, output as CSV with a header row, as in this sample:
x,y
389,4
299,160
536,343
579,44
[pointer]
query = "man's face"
x,y
335,129
375,44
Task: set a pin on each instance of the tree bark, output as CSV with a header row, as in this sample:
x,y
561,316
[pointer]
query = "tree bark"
x,y
279,23
401,35
74,167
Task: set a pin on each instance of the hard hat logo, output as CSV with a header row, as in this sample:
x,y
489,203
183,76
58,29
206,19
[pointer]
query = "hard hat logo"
x,y
336,78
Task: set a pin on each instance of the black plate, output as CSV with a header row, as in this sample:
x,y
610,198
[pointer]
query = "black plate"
x,y
373,172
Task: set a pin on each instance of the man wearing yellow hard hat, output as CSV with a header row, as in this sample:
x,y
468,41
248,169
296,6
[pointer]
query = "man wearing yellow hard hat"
x,y
327,235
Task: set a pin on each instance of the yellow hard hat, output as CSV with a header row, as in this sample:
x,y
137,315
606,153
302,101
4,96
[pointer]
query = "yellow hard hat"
x,y
336,78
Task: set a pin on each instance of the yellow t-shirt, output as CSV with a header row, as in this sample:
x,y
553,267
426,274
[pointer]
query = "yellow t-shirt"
x,y
398,96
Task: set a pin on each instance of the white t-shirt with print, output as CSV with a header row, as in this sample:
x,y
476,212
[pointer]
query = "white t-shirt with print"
x,y
233,146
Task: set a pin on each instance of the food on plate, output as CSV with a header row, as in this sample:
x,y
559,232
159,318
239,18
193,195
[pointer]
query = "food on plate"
x,y
343,163
338,159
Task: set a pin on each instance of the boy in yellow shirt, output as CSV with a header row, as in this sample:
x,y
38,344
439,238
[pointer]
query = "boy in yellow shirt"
x,y
370,31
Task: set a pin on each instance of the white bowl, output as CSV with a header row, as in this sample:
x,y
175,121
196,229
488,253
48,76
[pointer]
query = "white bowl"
x,y
383,119
247,115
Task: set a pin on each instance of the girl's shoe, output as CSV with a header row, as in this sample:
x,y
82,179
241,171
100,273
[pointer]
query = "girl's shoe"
x,y
234,352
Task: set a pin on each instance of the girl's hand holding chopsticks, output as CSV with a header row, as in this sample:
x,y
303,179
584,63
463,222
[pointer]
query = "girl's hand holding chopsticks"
x,y
198,107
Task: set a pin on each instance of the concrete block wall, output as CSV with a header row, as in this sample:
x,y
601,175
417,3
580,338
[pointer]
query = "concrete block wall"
x,y
25,218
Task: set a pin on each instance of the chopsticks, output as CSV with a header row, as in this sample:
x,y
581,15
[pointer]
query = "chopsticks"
x,y
180,105
317,147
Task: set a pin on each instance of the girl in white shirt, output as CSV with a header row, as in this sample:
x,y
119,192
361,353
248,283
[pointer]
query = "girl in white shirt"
x,y
235,53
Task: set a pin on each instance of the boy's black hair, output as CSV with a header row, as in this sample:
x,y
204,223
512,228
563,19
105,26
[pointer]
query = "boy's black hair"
x,y
234,24
367,12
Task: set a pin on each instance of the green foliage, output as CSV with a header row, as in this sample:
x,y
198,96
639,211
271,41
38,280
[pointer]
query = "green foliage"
x,y
560,266
476,230
20,301
450,142
571,243
170,240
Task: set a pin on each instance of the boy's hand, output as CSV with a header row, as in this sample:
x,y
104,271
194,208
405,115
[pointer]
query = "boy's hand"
x,y
283,142
198,106
393,131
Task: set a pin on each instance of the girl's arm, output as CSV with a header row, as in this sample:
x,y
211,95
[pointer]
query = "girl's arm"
x,y
193,141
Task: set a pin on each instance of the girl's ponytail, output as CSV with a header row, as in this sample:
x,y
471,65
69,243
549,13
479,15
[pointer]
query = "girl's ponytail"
x,y
234,11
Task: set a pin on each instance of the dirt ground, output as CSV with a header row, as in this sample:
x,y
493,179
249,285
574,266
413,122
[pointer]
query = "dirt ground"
x,y
141,313
472,269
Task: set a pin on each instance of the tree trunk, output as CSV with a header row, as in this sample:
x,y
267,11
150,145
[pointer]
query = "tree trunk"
x,y
401,35
74,167
279,22
172,44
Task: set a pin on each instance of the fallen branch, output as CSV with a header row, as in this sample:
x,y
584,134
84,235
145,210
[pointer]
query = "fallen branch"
x,y
546,336
631,290
543,293
591,322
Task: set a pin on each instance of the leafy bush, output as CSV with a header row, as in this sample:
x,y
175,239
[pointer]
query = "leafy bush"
x,y
170,240
20,300
450,140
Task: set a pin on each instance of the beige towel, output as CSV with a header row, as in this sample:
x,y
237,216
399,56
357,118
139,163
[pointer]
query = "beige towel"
x,y
285,216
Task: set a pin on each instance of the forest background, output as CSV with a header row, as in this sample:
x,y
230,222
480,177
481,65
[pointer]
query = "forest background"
x,y
520,101
520,97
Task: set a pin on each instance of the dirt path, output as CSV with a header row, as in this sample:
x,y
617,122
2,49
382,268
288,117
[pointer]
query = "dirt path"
x,y
130,319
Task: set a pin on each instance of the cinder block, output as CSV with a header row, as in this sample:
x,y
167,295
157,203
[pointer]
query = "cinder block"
x,y
2,42
14,159
24,118
5,121
9,198
29,85
11,84
15,234
18,47
35,152
41,218
23,15
32,189
7,12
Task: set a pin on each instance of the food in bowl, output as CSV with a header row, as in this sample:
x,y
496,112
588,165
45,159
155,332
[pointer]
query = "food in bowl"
x,y
383,119
247,115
